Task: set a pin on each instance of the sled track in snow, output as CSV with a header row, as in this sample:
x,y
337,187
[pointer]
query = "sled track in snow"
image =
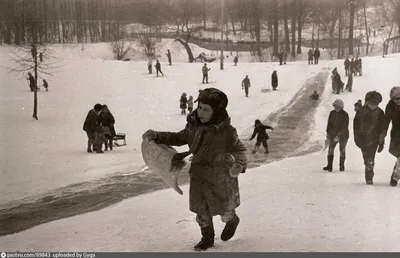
x,y
291,123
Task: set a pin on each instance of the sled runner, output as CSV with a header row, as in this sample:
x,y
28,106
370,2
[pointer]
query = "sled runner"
x,y
119,136
159,158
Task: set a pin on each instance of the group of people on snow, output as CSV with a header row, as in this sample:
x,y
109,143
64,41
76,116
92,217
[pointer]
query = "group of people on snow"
x,y
370,126
99,128
353,66
338,84
313,56
185,103
31,80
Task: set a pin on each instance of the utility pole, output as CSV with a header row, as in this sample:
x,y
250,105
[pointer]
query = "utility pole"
x,y
222,34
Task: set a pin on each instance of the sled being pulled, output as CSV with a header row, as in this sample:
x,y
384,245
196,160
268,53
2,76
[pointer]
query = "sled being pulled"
x,y
159,158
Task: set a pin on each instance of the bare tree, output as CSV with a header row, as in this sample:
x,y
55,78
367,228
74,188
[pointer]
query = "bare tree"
x,y
148,45
121,48
352,6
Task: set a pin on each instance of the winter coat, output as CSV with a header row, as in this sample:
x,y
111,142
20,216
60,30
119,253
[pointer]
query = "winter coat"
x,y
392,114
205,70
336,82
107,120
246,82
346,63
369,126
357,105
190,103
317,53
91,120
150,62
274,80
310,54
183,102
338,125
211,186
158,66
259,130
31,81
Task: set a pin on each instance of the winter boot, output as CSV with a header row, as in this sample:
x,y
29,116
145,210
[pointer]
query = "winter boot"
x,y
329,166
393,182
341,164
266,150
110,144
255,149
369,174
207,240
89,147
230,228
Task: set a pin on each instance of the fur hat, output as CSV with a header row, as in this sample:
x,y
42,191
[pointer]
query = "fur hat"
x,y
338,103
395,92
213,97
373,97
98,107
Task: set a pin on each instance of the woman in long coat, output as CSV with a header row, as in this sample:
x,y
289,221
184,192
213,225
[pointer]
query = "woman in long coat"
x,y
107,119
392,114
218,158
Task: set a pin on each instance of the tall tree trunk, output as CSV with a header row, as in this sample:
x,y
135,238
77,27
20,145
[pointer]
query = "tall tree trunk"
x,y
204,15
286,25
351,27
312,35
276,28
257,26
340,35
367,31
299,26
188,50
293,28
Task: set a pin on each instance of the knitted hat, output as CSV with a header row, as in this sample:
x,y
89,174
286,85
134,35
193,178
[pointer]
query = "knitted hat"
x,y
373,97
213,97
338,103
395,92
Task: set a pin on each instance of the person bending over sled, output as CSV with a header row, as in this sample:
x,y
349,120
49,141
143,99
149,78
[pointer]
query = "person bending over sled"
x,y
218,158
262,136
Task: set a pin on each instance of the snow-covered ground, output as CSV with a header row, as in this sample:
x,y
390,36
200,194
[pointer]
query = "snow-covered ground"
x,y
289,205
51,153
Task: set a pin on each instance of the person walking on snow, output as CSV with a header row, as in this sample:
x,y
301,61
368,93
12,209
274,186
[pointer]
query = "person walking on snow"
x,y
246,85
274,80
158,68
90,124
190,104
169,57
347,66
205,70
392,113
262,136
45,85
236,60
317,55
31,81
349,85
150,65
337,131
369,131
310,56
218,158
183,103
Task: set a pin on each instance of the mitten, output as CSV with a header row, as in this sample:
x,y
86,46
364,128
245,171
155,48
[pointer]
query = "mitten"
x,y
235,170
380,148
150,135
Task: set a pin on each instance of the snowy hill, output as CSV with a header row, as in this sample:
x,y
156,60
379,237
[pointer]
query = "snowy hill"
x,y
289,205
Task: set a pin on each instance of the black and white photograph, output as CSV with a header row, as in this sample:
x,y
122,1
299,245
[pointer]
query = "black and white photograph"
x,y
217,126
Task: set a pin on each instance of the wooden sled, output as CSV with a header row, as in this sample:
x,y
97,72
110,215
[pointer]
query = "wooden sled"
x,y
264,90
158,157
119,136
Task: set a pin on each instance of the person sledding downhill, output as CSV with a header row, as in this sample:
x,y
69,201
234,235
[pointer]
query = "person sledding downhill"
x,y
262,136
369,131
218,158
337,131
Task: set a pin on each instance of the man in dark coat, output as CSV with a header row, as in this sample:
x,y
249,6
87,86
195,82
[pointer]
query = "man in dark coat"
x,y
218,158
158,68
246,85
352,66
317,54
337,131
274,80
392,114
262,136
337,84
90,125
347,66
369,131
31,81
236,60
310,56
169,57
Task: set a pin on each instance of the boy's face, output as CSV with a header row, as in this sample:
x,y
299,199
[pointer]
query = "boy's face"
x,y
205,112
372,105
396,100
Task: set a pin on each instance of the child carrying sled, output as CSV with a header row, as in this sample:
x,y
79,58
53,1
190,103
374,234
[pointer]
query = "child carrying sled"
x,y
262,136
219,157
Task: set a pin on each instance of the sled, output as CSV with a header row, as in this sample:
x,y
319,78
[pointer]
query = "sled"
x,y
264,90
119,136
158,157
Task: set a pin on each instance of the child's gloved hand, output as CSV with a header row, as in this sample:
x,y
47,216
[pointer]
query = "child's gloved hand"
x,y
235,170
150,135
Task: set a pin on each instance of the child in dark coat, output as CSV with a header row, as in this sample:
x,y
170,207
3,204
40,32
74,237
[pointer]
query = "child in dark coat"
x,y
190,104
45,85
183,103
158,68
262,136
218,158
90,126
369,131
357,105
